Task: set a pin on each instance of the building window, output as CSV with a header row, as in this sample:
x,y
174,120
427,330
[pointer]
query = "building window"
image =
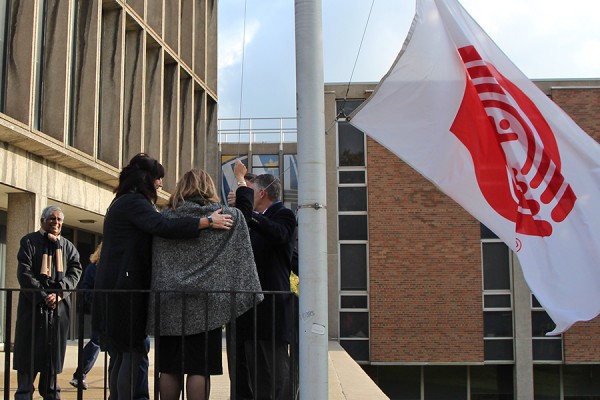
x,y
2,269
496,271
546,382
354,302
352,227
351,141
40,64
569,382
491,382
3,50
354,259
581,381
352,177
351,145
486,382
265,164
352,198
445,383
354,325
498,332
545,348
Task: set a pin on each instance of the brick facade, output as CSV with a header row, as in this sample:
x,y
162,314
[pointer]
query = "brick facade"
x,y
582,105
424,268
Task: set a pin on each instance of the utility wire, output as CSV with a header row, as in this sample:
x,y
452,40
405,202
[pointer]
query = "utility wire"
x,y
341,113
359,48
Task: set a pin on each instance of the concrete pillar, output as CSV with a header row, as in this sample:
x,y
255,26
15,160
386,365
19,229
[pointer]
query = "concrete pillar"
x,y
22,217
523,344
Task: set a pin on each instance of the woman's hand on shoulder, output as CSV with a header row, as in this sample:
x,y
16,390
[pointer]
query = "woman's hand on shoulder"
x,y
220,220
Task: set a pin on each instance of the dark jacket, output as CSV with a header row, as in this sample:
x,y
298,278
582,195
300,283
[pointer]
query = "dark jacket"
x,y
273,236
126,265
28,274
88,282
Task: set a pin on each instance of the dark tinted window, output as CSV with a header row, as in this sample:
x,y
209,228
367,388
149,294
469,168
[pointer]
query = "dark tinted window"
x,y
547,349
352,177
499,350
541,323
581,381
354,324
353,266
492,382
496,301
486,233
351,145
497,324
445,383
353,302
352,198
496,272
353,227
546,382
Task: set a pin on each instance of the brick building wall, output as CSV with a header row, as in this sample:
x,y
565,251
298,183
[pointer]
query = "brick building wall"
x,y
424,268
582,105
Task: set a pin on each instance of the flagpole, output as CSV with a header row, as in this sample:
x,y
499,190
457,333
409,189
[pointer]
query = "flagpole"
x,y
312,211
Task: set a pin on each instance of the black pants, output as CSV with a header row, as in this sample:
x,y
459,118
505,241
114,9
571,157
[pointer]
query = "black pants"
x,y
238,375
271,380
48,386
123,369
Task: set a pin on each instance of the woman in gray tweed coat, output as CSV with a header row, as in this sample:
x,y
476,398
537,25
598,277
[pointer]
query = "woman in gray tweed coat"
x,y
185,276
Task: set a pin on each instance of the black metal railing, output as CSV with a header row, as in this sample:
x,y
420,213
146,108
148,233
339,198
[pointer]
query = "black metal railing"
x,y
80,318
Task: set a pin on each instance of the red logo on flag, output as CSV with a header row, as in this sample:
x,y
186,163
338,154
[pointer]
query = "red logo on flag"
x,y
515,155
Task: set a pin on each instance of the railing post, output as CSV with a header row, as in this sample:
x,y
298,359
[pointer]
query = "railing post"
x,y
7,344
80,325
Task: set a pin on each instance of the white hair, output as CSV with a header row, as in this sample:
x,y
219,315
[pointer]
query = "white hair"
x,y
46,212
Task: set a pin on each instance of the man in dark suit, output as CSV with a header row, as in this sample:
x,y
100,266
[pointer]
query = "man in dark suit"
x,y
273,235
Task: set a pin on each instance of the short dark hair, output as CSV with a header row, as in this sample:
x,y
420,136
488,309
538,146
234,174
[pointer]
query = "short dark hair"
x,y
250,177
139,176
269,184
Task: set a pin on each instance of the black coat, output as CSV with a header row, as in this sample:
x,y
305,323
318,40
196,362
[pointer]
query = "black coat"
x,y
29,312
273,236
126,265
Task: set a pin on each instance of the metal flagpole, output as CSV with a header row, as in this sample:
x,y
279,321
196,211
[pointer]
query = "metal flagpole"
x,y
312,211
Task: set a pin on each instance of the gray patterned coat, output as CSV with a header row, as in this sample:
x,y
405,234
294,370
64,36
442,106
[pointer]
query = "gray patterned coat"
x,y
217,260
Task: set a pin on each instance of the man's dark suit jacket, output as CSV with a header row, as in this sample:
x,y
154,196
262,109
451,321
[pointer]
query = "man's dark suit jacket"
x,y
273,236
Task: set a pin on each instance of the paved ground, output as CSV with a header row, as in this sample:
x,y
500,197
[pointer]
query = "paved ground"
x,y
346,380
95,379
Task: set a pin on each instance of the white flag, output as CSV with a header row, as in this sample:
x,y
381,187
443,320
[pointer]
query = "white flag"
x,y
456,109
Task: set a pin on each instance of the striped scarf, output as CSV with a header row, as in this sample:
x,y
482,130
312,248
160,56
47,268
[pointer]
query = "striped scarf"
x,y
52,254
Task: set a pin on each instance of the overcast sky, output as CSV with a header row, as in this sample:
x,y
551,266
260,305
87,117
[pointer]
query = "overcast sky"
x,y
544,38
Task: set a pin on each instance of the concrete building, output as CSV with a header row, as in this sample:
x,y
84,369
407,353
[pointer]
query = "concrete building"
x,y
84,86
429,301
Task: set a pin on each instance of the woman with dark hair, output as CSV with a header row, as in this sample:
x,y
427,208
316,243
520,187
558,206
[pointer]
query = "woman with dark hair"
x,y
125,267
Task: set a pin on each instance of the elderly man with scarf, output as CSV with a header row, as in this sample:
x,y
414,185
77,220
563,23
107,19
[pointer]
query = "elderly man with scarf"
x,y
48,264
